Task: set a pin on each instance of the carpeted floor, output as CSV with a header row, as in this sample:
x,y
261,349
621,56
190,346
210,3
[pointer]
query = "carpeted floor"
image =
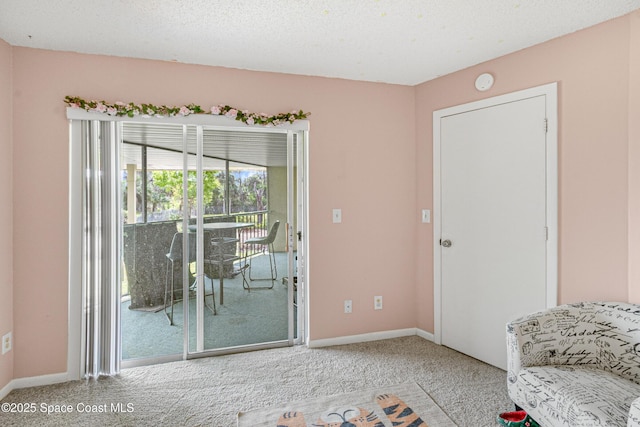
x,y
210,392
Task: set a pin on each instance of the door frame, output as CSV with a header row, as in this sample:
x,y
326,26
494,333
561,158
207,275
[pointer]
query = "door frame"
x,y
293,180
550,92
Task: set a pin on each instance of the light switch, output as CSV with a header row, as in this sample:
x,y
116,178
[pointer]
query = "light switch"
x,y
426,215
337,216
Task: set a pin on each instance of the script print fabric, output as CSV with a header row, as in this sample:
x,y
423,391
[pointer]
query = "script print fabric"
x,y
577,364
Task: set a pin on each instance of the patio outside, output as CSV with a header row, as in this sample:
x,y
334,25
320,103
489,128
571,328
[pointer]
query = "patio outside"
x,y
152,200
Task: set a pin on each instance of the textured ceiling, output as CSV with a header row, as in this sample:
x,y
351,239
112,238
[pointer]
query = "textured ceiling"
x,y
394,41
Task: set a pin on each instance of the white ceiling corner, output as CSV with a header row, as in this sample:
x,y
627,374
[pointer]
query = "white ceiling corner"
x,y
394,41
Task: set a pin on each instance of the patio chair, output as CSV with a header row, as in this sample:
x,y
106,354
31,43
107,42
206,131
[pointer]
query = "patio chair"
x,y
223,259
267,243
174,264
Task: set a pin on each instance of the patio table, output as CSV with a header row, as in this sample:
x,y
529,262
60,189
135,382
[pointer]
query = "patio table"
x,y
217,229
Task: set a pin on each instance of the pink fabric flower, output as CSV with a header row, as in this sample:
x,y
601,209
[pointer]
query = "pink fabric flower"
x,y
131,109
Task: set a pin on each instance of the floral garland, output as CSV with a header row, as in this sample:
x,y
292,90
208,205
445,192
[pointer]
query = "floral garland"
x,y
150,110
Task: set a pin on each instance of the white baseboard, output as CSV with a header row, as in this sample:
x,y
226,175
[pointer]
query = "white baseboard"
x,y
6,390
424,334
41,380
373,336
33,382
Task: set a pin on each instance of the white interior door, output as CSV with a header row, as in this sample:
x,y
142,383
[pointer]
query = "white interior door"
x,y
493,223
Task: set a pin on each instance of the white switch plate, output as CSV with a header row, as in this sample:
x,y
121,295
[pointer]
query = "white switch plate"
x,y
348,306
337,216
426,215
377,303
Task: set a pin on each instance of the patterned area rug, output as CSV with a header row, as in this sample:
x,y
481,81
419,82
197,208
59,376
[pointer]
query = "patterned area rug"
x,y
404,405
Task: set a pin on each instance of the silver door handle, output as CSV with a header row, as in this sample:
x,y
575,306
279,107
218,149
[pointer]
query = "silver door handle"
x,y
446,243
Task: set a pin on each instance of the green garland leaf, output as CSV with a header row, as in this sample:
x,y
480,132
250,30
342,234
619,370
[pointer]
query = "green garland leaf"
x,y
150,110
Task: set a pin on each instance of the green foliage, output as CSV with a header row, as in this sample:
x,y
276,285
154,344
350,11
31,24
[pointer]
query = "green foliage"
x,y
165,189
132,109
247,193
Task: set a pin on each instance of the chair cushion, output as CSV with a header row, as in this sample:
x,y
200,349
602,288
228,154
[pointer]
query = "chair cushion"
x,y
573,396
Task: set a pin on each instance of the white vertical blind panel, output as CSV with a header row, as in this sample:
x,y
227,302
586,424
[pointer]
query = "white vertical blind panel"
x,y
100,243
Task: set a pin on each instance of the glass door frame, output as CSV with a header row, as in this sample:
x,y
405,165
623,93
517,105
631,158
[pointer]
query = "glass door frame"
x,y
296,177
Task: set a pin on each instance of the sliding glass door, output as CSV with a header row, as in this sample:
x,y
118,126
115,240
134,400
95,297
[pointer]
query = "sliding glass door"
x,y
212,218
244,297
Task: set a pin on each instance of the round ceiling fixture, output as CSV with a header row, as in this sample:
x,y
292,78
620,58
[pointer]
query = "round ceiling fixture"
x,y
484,82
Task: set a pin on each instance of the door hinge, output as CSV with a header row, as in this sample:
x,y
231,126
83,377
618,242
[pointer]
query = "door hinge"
x,y
546,233
546,125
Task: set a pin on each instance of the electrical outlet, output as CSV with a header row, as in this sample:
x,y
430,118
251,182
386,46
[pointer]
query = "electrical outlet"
x,y
6,343
377,303
348,306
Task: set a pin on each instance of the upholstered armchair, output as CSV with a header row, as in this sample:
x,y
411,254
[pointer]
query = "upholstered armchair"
x,y
577,364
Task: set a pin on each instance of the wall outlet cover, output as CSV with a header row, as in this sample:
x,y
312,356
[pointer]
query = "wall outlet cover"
x,y
6,343
348,306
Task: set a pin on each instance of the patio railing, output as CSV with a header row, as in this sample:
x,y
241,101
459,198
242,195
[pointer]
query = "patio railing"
x,y
260,229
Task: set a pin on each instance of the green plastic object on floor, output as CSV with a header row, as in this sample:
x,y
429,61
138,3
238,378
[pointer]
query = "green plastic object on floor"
x,y
516,419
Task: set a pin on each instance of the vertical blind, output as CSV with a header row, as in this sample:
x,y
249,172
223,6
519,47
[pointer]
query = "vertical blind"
x,y
100,247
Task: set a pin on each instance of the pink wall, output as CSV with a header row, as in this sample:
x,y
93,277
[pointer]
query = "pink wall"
x,y
351,143
359,131
6,209
634,159
593,71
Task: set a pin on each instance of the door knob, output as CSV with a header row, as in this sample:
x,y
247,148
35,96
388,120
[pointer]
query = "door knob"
x,y
446,243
